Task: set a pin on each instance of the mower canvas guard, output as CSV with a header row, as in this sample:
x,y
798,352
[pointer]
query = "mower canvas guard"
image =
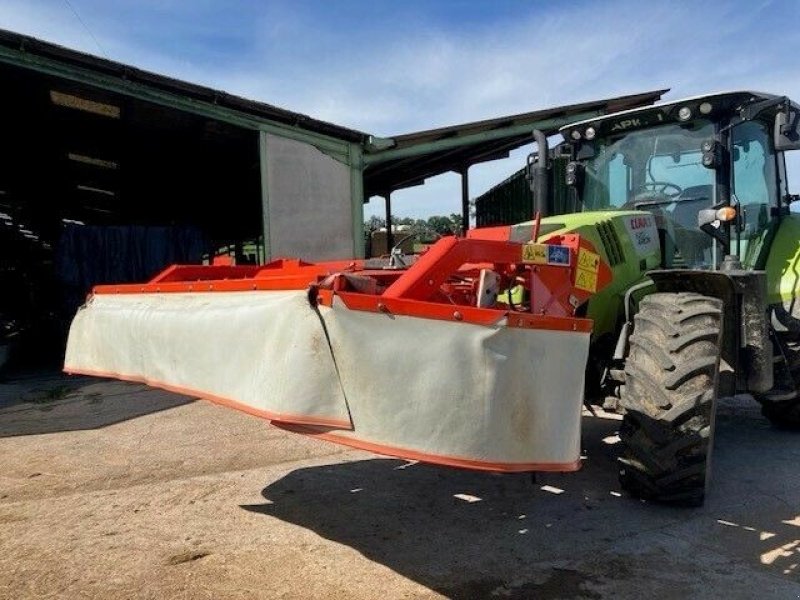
x,y
436,362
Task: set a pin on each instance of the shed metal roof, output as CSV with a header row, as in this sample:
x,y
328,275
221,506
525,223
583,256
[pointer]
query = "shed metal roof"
x,y
38,48
407,160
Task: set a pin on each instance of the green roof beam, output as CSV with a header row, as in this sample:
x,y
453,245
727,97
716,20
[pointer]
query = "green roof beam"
x,y
552,124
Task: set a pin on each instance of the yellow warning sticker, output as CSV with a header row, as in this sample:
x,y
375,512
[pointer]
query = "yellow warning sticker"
x,y
588,267
588,260
586,280
534,253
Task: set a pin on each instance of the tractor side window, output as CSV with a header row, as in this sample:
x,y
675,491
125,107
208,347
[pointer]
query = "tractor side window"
x,y
755,185
618,181
607,181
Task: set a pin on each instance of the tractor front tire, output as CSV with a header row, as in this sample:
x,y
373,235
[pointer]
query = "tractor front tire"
x,y
669,397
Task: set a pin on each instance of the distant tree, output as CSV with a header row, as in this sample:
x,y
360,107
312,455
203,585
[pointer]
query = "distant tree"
x,y
426,231
374,223
423,232
441,225
446,225
457,223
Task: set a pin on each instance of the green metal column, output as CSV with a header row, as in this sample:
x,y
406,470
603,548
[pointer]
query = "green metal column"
x,y
357,192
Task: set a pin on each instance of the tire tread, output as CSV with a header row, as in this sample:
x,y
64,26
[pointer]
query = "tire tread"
x,y
669,397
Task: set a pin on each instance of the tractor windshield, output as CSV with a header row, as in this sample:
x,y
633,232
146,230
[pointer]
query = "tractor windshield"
x,y
647,164
657,169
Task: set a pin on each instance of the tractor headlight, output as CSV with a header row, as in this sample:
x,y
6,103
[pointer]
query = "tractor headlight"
x,y
705,108
685,113
575,135
590,133
712,153
572,176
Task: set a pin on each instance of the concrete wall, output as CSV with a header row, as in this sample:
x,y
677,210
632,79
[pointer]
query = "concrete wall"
x,y
308,202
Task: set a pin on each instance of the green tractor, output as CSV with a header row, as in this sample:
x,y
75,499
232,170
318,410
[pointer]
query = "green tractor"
x,y
688,203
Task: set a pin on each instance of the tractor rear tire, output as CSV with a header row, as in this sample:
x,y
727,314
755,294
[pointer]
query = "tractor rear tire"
x,y
669,397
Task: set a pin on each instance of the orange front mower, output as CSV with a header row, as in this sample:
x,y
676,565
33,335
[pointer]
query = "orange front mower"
x,y
472,356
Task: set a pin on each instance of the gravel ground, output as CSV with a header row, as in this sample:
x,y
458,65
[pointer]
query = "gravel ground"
x,y
113,490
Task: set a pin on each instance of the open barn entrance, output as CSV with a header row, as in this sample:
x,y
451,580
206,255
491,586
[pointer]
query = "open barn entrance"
x,y
101,186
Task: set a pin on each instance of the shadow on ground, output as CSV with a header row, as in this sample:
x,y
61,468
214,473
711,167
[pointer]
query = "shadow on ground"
x,y
52,402
476,535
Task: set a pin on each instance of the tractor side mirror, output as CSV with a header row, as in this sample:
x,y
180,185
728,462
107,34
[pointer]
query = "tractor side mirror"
x,y
787,133
710,220
708,216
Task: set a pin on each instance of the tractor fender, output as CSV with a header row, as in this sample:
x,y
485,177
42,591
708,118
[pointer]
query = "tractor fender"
x,y
746,346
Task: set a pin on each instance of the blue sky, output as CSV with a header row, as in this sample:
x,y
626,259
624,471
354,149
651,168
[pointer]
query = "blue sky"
x,y
393,67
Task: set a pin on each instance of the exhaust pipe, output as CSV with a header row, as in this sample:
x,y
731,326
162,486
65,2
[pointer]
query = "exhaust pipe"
x,y
540,174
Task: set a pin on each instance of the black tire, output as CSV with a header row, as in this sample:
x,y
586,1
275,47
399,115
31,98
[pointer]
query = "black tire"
x,y
669,395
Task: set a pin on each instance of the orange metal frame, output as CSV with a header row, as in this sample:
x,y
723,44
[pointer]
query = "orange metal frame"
x,y
437,286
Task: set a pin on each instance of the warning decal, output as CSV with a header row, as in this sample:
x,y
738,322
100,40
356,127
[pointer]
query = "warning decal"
x,y
534,253
586,274
545,254
557,255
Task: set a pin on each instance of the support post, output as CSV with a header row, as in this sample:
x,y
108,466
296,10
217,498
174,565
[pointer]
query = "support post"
x,y
262,161
464,200
387,198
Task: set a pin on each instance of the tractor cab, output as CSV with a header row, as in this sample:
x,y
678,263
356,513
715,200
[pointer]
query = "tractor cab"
x,y
710,169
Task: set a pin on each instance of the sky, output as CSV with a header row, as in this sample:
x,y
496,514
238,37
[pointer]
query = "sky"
x,y
388,67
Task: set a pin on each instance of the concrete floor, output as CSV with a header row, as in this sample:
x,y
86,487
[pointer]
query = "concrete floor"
x,y
113,490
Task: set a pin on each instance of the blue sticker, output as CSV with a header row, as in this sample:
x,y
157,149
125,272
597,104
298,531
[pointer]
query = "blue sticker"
x,y
558,255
